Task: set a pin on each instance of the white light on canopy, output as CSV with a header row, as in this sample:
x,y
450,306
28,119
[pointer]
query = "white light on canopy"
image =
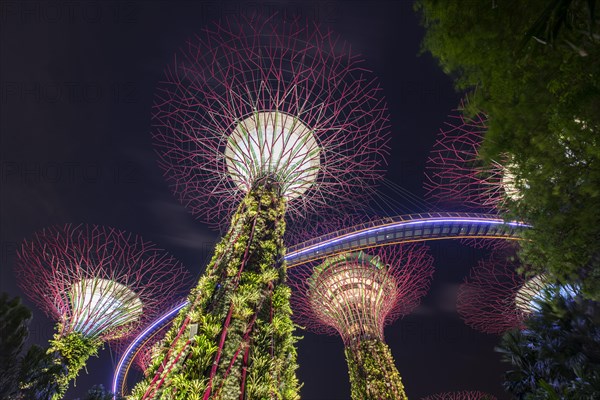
x,y
101,305
533,290
276,144
508,183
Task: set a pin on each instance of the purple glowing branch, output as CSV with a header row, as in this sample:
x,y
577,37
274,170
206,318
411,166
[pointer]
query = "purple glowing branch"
x,y
495,297
98,281
493,244
253,97
319,225
457,175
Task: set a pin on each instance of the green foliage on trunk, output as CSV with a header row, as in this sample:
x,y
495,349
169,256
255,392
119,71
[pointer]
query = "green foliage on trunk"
x,y
46,374
71,352
557,355
534,69
240,310
373,374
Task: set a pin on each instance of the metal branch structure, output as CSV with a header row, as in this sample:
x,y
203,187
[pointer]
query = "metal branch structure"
x,y
495,297
258,120
318,226
355,295
249,99
98,283
457,176
464,395
146,353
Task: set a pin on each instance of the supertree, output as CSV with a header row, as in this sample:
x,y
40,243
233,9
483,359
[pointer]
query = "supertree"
x,y
496,298
98,283
355,295
260,118
146,352
456,174
464,395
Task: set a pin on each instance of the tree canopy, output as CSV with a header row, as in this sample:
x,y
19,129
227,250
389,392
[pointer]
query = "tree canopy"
x,y
29,374
14,322
557,355
534,69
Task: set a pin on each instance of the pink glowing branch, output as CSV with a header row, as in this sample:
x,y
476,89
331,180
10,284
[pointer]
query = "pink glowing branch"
x,y
318,225
488,299
85,277
410,269
238,68
456,174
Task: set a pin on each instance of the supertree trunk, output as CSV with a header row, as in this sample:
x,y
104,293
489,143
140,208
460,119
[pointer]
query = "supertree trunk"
x,y
373,374
355,295
235,340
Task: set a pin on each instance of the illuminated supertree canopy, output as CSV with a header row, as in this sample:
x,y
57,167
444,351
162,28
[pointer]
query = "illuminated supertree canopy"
x,y
355,295
251,99
457,175
98,283
268,118
464,395
496,298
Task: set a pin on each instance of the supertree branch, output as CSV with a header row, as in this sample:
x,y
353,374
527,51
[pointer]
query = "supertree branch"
x,y
496,297
234,340
98,283
317,225
457,175
266,97
464,395
355,295
495,245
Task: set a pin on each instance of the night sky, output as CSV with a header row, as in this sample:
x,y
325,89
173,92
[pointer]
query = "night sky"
x,y
77,84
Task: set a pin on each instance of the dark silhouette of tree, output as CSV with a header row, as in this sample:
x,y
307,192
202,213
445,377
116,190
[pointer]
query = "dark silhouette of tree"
x,y
22,376
14,321
532,69
557,355
36,374
568,23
